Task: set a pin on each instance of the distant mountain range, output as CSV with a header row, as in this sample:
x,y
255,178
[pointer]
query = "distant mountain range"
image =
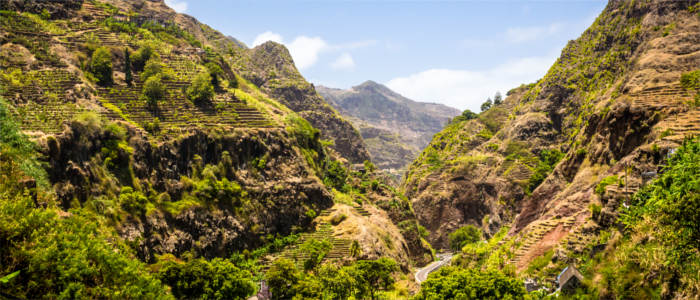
x,y
395,128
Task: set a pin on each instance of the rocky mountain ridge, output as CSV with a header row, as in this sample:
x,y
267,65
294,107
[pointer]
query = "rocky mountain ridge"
x,y
394,127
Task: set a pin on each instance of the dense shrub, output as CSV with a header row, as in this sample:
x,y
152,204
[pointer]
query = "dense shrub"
x,y
154,67
201,90
317,250
132,201
215,72
547,161
153,91
463,236
70,257
600,187
141,56
455,283
202,279
101,65
336,176
691,80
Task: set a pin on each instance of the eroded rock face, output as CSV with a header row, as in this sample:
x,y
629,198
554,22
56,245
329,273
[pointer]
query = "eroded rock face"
x,y
278,195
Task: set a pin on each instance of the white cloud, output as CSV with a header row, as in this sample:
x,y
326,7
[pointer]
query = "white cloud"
x,y
267,36
177,5
305,50
526,34
467,89
343,62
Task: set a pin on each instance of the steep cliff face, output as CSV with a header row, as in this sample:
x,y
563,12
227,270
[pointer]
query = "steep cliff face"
x,y
394,127
609,110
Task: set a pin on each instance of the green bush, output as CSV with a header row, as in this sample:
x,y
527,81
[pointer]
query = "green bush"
x,y
202,279
153,68
455,283
153,90
101,65
141,56
691,80
463,236
132,201
547,161
600,188
201,90
317,250
215,72
72,257
335,176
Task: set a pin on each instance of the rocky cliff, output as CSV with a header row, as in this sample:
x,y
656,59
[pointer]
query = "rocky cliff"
x,y
394,127
578,140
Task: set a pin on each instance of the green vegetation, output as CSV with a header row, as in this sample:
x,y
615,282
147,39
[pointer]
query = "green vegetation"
x,y
691,80
336,176
456,283
201,90
486,105
153,91
362,279
547,161
128,77
215,72
202,279
57,257
657,255
464,235
600,187
101,65
141,56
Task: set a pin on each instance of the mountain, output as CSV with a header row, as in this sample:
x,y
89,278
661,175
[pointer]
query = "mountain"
x,y
139,146
394,127
549,174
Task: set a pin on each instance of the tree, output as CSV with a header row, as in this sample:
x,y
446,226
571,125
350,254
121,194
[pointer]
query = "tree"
x,y
153,91
127,68
215,72
469,115
281,278
101,65
141,57
497,99
374,275
455,283
486,105
153,67
202,279
201,89
464,235
337,282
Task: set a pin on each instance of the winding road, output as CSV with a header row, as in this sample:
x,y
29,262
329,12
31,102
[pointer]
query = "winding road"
x,y
422,274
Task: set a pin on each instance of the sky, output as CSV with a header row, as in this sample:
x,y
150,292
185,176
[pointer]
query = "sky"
x,y
453,52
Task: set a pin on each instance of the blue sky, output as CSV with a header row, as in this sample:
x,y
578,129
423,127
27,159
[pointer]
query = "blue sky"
x,y
452,52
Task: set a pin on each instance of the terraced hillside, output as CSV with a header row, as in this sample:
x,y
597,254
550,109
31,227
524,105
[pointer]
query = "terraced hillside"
x,y
156,126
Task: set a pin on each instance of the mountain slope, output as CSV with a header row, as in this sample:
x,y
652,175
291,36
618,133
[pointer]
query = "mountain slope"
x,y
394,127
146,125
608,111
